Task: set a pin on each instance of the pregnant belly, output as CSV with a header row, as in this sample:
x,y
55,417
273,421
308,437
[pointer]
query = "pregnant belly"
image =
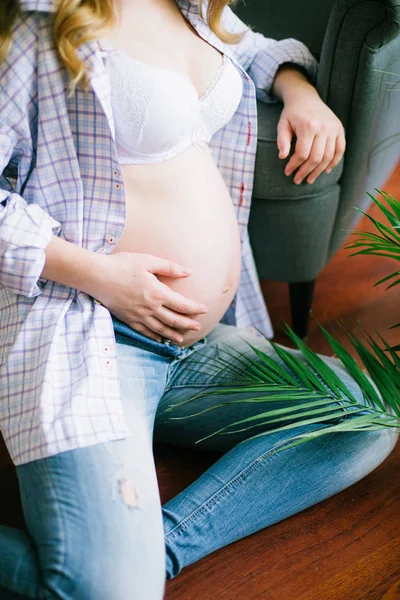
x,y
181,210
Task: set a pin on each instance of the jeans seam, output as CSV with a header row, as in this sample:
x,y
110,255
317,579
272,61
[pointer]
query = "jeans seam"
x,y
170,373
62,562
202,385
240,380
200,510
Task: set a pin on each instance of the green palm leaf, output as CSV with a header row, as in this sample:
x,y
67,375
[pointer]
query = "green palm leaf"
x,y
387,242
316,394
317,383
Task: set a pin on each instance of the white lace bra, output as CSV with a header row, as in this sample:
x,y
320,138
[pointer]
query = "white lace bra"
x,y
157,111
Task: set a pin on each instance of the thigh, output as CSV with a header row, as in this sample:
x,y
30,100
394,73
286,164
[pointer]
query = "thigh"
x,y
143,376
94,518
213,369
94,513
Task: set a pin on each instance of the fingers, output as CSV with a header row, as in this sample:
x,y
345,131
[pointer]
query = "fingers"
x,y
302,152
339,151
180,303
159,300
176,320
284,139
162,266
162,329
315,153
327,159
146,331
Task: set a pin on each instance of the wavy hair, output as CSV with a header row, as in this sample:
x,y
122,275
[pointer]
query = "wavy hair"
x,y
80,21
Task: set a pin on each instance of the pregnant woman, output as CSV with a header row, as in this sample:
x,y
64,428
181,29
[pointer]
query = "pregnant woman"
x,y
128,134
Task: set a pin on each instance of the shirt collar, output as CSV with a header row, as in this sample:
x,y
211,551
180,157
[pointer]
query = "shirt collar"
x,y
50,5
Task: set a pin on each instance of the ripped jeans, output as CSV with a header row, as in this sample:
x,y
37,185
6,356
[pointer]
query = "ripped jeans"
x,y
97,530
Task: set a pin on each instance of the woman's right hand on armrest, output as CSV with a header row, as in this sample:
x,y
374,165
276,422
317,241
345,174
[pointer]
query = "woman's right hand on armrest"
x,y
127,285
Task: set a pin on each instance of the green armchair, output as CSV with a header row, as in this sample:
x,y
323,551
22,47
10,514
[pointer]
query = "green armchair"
x,y
295,229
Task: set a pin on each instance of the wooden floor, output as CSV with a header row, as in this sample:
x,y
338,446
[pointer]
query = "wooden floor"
x,y
345,548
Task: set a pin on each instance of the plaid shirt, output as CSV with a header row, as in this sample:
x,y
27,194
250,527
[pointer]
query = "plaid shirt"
x,y
59,384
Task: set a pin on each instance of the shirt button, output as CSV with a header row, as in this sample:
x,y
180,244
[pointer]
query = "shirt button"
x,y
118,186
103,249
115,172
106,349
111,239
107,363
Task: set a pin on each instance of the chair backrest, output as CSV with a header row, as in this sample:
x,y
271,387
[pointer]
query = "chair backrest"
x,y
305,20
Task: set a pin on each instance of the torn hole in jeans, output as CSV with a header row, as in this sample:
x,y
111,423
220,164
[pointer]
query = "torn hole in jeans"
x,y
128,493
121,484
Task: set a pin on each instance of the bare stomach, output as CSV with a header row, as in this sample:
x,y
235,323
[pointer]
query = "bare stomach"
x,y
181,210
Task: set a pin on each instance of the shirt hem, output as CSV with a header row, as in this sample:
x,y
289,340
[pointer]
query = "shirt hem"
x,y
46,451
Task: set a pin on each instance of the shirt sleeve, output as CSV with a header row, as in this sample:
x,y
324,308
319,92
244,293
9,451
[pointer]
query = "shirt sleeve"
x,y
261,57
25,231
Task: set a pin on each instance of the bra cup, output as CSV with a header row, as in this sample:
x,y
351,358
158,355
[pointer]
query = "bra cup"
x,y
218,108
131,92
157,112
153,109
172,112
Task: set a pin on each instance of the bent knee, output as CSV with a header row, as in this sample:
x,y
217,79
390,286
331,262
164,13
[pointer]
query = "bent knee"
x,y
366,450
123,579
386,441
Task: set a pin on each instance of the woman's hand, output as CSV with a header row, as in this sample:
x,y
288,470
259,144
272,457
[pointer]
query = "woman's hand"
x,y
320,134
127,285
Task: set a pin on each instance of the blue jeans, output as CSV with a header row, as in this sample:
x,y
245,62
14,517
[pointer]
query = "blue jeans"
x,y
97,530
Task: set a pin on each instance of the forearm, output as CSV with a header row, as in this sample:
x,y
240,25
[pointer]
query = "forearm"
x,y
71,265
289,82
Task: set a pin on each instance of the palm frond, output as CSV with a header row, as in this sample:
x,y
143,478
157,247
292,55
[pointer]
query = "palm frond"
x,y
386,243
313,392
315,381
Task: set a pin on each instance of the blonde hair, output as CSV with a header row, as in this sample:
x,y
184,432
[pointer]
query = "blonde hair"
x,y
80,21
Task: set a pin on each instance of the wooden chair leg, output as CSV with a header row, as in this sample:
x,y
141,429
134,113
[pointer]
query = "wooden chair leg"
x,y
301,297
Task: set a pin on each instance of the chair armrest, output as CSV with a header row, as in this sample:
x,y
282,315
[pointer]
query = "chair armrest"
x,y
362,40
353,26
